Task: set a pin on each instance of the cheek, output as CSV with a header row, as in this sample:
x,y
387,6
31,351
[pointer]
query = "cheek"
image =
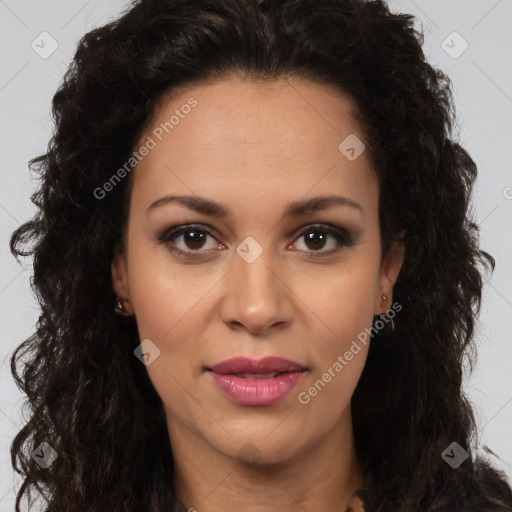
x,y
342,311
170,311
163,292
342,300
339,346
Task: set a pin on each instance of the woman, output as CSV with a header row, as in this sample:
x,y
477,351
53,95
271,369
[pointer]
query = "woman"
x,y
257,270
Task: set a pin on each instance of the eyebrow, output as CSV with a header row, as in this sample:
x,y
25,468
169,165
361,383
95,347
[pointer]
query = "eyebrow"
x,y
294,209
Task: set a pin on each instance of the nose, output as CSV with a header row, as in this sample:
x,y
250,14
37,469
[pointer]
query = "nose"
x,y
257,297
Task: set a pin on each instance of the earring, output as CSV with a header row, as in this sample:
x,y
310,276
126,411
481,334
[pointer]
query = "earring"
x,y
119,307
392,330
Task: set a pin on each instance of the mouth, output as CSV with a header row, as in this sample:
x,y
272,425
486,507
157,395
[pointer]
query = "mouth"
x,y
256,389
246,381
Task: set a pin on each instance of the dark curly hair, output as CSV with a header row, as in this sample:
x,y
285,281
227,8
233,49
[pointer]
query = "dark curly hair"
x,y
92,400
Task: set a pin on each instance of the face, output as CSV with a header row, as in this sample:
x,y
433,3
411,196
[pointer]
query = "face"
x,y
255,275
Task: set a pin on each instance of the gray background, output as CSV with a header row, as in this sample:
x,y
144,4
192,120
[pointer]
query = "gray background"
x,y
482,85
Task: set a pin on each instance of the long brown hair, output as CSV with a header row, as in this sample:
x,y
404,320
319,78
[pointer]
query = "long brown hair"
x,y
91,399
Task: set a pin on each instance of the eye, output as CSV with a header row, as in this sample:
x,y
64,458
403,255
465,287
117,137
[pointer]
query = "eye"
x,y
316,237
192,236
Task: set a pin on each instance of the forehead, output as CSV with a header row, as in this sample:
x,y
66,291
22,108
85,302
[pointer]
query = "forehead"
x,y
242,137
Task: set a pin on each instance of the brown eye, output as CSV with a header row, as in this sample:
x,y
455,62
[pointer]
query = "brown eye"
x,y
316,238
193,240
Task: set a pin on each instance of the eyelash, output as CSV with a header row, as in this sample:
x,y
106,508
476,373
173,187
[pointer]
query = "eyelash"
x,y
342,237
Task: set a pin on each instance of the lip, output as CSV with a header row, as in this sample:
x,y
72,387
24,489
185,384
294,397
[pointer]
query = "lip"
x,y
250,365
260,391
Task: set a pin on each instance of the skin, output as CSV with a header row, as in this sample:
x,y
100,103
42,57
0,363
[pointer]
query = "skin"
x,y
254,147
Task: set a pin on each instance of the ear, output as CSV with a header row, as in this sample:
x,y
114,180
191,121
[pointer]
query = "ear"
x,y
389,270
119,271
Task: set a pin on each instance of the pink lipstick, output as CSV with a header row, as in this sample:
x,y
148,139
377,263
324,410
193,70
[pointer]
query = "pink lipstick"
x,y
248,381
